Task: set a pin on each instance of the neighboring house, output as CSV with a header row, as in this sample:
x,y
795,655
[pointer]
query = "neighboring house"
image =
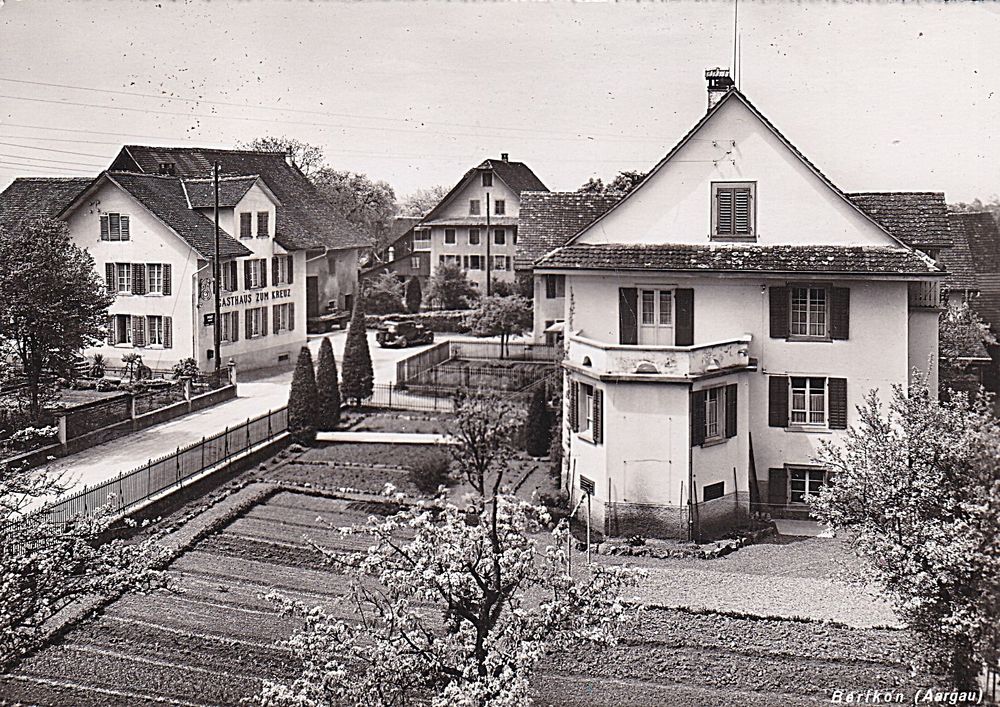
x,y
547,220
306,222
980,231
398,256
475,224
723,319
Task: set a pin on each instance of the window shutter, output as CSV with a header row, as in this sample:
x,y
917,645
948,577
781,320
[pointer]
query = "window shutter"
x,y
276,318
109,277
291,314
291,269
574,406
246,274
741,220
168,332
732,391
684,327
550,287
840,312
697,413
724,212
137,330
274,268
837,390
138,279
263,321
111,332
777,404
249,323
778,297
628,315
234,326
777,487
263,272
124,227
167,285
598,431
105,231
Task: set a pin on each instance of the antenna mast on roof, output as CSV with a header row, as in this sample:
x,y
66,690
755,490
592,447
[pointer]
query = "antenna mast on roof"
x,y
736,24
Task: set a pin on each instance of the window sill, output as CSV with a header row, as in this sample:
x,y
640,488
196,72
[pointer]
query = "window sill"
x,y
806,428
715,441
813,339
586,437
732,239
155,294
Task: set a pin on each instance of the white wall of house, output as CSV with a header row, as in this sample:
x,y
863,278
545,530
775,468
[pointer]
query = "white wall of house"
x,y
546,309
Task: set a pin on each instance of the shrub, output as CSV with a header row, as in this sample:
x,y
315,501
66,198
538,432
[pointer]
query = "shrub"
x,y
358,379
635,541
450,288
186,368
431,472
303,400
97,366
383,294
106,385
538,428
414,295
328,388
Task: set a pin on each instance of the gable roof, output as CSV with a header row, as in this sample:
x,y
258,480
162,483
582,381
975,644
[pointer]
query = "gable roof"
x,y
919,219
516,175
35,197
981,230
957,259
201,192
305,221
847,260
547,219
734,94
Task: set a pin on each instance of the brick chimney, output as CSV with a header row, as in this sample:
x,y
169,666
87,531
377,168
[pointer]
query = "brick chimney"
x,y
719,83
504,156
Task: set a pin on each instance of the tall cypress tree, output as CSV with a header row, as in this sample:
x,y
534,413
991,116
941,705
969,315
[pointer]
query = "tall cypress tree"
x,y
358,379
328,387
538,427
303,400
414,295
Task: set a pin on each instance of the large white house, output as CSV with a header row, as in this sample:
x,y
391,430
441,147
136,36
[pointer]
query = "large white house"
x,y
722,320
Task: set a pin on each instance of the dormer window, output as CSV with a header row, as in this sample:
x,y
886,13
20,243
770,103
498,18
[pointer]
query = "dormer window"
x,y
168,168
263,229
246,225
487,179
734,210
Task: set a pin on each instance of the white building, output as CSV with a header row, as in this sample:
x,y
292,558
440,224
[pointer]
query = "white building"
x,y
723,319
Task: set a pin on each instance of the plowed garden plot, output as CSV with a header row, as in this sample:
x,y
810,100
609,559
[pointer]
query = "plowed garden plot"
x,y
216,637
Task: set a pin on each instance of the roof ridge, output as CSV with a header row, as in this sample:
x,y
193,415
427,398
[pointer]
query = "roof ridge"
x,y
230,177
210,149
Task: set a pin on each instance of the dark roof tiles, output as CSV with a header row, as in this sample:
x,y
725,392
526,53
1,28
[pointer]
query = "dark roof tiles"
x,y
201,192
957,259
516,175
919,219
34,197
548,219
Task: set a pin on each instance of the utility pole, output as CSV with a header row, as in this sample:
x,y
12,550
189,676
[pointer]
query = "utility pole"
x,y
217,277
489,236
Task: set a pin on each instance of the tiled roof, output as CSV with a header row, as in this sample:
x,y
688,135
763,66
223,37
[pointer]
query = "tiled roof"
x,y
919,219
305,220
164,197
36,197
401,225
957,259
548,219
472,221
887,260
201,192
516,175
981,230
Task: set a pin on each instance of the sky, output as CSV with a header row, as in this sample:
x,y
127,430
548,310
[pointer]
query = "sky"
x,y
880,96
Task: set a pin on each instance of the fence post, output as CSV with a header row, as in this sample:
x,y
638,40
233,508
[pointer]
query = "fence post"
x,y
390,395
270,432
248,434
225,445
177,464
149,472
202,452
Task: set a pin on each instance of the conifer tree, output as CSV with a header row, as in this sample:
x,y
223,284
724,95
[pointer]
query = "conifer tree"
x,y
414,295
538,428
357,381
328,388
303,400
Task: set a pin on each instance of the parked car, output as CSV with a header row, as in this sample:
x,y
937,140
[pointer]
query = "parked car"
x,y
403,334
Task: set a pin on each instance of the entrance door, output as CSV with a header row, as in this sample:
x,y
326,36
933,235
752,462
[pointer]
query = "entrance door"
x,y
312,296
656,317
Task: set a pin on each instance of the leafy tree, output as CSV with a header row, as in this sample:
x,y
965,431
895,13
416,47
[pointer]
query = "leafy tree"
x,y
538,429
413,296
624,182
501,316
420,202
308,158
358,378
367,203
978,205
961,334
593,185
455,606
52,302
46,566
303,400
328,388
383,294
450,288
918,486
503,288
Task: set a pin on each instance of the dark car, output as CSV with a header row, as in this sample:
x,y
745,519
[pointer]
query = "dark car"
x,y
403,334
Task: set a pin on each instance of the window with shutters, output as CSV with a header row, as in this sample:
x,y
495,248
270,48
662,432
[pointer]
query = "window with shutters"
x,y
283,317
282,265
450,237
124,278
656,317
499,236
734,210
501,262
114,227
804,483
499,207
473,207
808,401
255,273
230,282
121,329
230,331
154,331
586,408
476,262
713,403
263,224
154,278
713,414
808,312
255,322
474,236
246,225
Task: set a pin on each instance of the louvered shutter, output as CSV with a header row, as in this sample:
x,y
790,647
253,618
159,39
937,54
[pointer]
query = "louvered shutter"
x,y
234,326
115,225
684,327
777,401
574,406
697,417
138,331
277,317
167,285
263,272
742,221
138,279
111,332
263,321
274,268
778,297
731,409
247,281
249,323
598,431
724,212
628,315
291,269
291,315
777,487
109,277
105,231
840,312
168,332
837,390
125,227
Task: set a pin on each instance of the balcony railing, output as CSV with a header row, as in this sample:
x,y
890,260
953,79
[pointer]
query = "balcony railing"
x,y
925,295
672,361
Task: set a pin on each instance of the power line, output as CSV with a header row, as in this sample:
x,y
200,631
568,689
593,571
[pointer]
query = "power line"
x,y
41,159
52,149
45,168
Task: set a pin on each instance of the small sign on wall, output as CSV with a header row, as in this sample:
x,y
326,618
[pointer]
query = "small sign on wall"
x,y
210,319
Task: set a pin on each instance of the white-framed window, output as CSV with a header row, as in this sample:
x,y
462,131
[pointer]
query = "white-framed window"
x,y
499,207
255,322
154,330
415,262
474,236
421,238
282,266
714,407
809,312
114,227
263,224
474,207
586,408
803,483
499,236
255,272
284,317
121,329
124,277
808,401
154,278
656,317
501,262
230,329
450,237
450,260
246,224
230,282
734,209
